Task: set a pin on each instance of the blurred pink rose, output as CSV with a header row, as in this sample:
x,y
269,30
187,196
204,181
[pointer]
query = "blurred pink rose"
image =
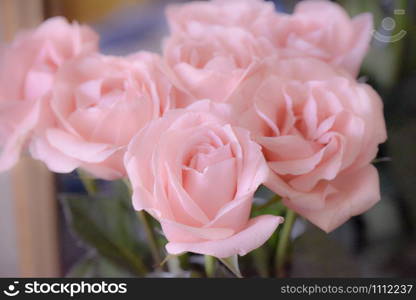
x,y
255,16
99,103
216,44
323,30
197,175
319,130
27,69
213,45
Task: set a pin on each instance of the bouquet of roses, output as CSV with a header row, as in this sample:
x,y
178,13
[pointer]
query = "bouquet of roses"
x,y
242,96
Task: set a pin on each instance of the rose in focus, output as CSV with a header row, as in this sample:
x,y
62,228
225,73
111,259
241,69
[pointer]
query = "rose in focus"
x,y
197,175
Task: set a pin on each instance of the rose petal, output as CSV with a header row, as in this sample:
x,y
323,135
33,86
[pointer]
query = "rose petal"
x,y
184,233
256,233
357,192
75,147
55,160
363,28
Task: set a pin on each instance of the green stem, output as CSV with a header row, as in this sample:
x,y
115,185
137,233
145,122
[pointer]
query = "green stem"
x,y
174,265
88,182
151,236
209,266
150,233
261,261
284,242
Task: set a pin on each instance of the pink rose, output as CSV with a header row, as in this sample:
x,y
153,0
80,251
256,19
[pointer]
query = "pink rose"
x,y
197,175
215,44
27,71
322,29
319,130
255,16
99,103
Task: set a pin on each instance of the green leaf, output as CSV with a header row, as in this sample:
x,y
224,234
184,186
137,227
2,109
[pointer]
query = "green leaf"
x,y
109,225
94,265
273,207
232,264
86,267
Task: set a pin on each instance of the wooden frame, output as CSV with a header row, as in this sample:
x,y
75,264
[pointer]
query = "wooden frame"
x,y
32,184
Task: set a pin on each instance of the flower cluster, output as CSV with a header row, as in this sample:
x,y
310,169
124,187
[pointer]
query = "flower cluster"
x,y
241,96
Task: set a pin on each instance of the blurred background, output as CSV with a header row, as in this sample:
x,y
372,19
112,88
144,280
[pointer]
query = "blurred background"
x,y
40,234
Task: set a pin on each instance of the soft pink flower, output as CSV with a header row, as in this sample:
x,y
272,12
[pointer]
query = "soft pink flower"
x,y
319,130
322,29
216,44
255,16
213,45
100,102
27,69
197,175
